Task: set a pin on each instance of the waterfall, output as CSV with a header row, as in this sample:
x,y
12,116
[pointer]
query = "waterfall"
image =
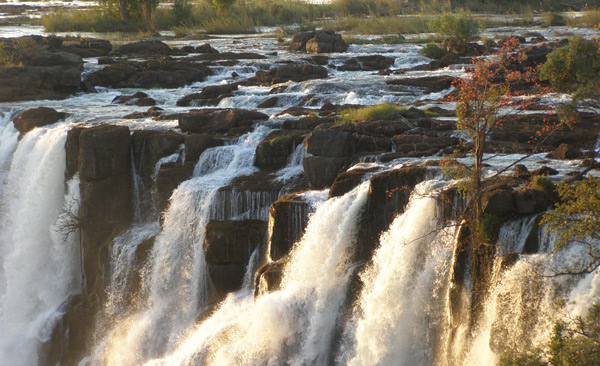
x,y
9,137
39,257
175,277
296,323
400,310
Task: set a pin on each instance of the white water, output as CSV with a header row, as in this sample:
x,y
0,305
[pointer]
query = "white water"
x,y
296,323
39,262
176,277
401,306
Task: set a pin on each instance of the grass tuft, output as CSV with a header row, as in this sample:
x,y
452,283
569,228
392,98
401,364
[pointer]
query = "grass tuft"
x,y
370,113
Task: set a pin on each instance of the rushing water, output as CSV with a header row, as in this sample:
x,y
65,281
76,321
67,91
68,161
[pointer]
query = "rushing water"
x,y
400,315
38,254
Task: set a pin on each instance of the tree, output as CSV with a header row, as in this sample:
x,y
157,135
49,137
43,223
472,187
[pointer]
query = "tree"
x,y
482,100
129,9
223,4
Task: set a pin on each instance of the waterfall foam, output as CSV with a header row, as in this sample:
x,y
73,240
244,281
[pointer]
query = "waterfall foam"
x,y
175,278
296,323
399,311
39,256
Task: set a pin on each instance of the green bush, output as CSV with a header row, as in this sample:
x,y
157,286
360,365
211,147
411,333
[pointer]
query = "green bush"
x,y
553,20
542,184
432,50
490,227
573,67
370,113
461,26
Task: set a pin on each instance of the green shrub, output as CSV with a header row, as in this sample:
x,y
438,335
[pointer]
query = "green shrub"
x,y
461,26
589,19
542,184
432,50
370,113
97,20
572,67
490,227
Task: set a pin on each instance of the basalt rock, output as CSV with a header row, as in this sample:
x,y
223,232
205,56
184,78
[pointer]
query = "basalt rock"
x,y
169,177
228,246
149,147
157,73
431,84
196,144
145,48
389,193
274,150
285,73
367,63
318,42
330,143
36,117
219,120
289,218
89,48
348,180
565,152
210,95
320,171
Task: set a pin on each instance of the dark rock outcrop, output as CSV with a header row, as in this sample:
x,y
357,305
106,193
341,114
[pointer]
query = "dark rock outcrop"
x,y
330,143
320,171
367,63
147,47
157,73
228,246
169,177
274,150
210,95
196,144
36,117
219,120
431,84
285,73
318,42
289,218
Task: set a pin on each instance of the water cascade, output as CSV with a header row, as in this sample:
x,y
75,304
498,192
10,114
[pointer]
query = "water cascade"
x,y
38,253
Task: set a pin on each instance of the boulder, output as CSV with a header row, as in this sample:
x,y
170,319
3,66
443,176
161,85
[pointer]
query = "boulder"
x,y
49,59
156,73
72,152
285,73
205,48
211,94
431,84
498,202
531,201
196,144
320,171
269,103
318,42
330,143
36,117
367,63
274,150
89,48
147,47
34,83
219,120
149,146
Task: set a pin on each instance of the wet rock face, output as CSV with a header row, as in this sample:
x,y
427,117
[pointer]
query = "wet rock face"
x,y
285,73
89,48
389,193
219,121
104,168
140,99
169,177
318,42
330,143
228,246
348,180
149,147
196,144
157,73
289,218
36,117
